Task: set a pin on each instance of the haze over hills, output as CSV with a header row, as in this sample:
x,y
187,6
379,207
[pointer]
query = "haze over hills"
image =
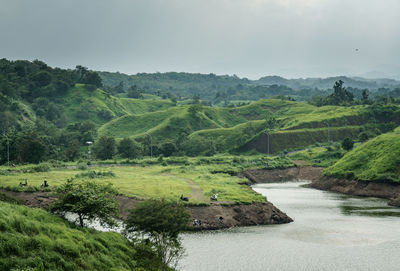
x,y
218,88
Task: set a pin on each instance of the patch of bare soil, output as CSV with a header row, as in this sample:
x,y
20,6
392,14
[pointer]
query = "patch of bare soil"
x,y
226,216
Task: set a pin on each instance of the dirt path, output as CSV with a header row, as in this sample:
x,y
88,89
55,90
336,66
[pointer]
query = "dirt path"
x,y
197,192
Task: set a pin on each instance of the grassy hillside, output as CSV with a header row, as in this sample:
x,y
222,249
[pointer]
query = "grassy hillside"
x,y
226,129
227,139
376,160
32,239
100,107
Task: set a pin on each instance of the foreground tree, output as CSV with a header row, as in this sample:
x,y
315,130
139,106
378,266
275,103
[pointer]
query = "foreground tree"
x,y
160,221
89,200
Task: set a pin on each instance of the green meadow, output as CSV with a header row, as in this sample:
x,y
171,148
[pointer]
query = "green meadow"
x,y
197,178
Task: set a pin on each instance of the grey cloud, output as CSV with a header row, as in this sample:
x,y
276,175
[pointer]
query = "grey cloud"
x,y
251,38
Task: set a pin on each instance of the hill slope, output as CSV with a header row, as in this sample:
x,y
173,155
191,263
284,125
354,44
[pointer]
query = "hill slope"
x,y
32,239
376,160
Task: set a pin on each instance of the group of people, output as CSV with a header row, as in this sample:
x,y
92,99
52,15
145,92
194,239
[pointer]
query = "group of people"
x,y
196,222
214,197
24,184
44,183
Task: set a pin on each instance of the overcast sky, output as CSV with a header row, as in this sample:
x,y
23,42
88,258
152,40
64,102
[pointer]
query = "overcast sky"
x,y
249,38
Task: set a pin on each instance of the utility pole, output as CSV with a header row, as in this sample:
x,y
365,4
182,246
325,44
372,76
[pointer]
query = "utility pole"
x,y
328,130
8,149
151,145
89,143
267,143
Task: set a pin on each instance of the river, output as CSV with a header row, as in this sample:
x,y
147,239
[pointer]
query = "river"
x,y
330,232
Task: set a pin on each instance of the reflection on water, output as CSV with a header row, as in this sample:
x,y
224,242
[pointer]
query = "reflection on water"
x,y
330,232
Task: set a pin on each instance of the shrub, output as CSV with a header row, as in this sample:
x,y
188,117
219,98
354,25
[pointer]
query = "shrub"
x,y
94,174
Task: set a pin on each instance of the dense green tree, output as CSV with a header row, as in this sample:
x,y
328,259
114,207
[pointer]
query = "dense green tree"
x,y
118,88
42,78
134,92
89,200
160,221
347,144
365,97
81,71
168,148
92,78
104,148
340,94
30,147
72,149
129,148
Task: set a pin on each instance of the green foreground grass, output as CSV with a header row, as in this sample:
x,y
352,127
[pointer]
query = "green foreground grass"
x,y
197,178
32,239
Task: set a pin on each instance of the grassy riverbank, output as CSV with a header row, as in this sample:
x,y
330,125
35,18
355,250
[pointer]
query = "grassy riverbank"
x,y
197,178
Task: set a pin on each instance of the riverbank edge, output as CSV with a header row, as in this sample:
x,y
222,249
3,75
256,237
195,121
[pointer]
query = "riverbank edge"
x,y
213,217
389,191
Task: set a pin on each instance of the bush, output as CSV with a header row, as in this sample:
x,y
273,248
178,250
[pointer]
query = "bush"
x,y
94,174
42,167
347,144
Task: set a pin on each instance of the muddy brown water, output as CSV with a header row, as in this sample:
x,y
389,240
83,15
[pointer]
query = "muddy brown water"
x,y
330,232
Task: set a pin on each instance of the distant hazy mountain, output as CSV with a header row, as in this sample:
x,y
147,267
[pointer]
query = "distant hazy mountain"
x,y
327,83
222,88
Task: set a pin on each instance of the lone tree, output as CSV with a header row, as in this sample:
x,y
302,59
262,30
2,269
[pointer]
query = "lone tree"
x,y
347,144
89,200
104,148
340,94
129,148
160,221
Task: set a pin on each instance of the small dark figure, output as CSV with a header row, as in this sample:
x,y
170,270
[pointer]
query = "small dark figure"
x,y
195,222
199,222
184,198
26,182
20,184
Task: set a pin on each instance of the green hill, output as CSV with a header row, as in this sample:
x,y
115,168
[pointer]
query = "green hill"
x,y
296,124
100,107
32,239
376,160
